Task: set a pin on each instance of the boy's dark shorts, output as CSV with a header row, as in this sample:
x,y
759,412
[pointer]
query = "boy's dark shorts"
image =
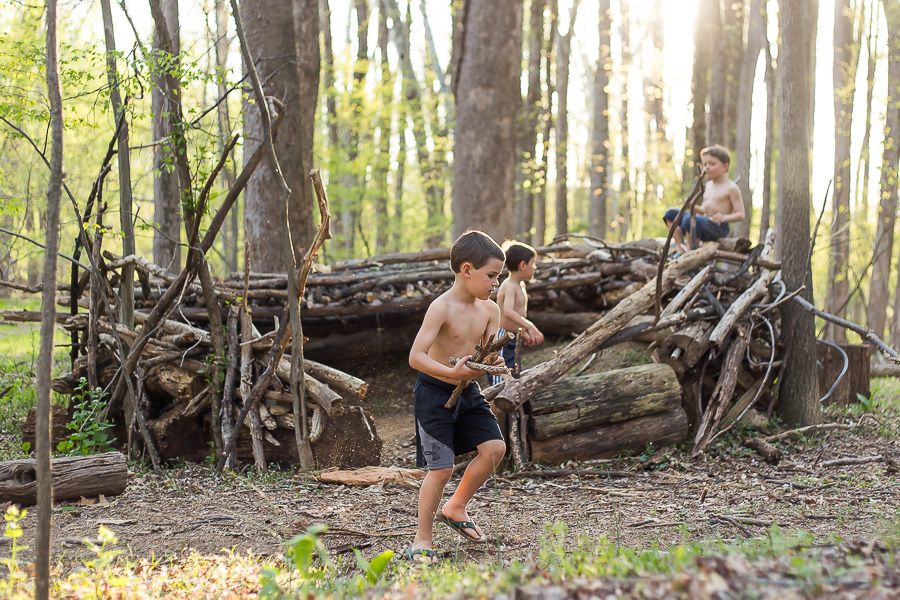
x,y
707,231
443,433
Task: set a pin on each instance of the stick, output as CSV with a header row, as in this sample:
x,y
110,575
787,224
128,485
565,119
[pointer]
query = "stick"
x,y
491,346
696,193
852,461
480,367
823,427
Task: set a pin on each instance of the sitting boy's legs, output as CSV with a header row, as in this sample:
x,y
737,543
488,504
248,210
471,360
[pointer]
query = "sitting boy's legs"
x,y
678,234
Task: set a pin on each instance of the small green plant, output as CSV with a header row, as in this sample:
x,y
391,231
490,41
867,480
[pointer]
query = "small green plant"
x,y
372,570
302,569
17,576
89,430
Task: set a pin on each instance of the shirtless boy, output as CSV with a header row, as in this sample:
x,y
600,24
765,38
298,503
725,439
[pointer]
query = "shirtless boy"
x,y
460,318
513,300
722,203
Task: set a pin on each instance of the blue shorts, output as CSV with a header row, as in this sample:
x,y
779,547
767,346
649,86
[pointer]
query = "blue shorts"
x,y
508,354
707,231
444,433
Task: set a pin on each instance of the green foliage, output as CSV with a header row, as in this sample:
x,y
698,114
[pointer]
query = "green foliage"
x,y
302,568
374,569
89,430
16,584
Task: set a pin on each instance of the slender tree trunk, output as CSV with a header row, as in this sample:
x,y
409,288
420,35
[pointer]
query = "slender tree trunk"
x,y
771,113
887,213
846,58
48,314
527,152
562,124
733,14
126,219
382,222
755,40
718,66
231,235
601,145
798,395
487,102
696,141
166,197
862,189
625,192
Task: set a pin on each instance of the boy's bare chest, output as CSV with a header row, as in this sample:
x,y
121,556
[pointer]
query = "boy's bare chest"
x,y
465,327
716,197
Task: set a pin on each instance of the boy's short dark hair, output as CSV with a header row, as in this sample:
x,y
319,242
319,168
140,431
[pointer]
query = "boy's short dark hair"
x,y
475,247
718,151
517,253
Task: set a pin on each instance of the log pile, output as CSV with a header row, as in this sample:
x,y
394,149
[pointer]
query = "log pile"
x,y
717,349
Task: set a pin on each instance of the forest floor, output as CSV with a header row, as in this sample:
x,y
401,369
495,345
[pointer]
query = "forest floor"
x,y
662,502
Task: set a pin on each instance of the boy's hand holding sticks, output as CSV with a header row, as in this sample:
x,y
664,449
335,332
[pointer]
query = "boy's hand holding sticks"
x,y
481,362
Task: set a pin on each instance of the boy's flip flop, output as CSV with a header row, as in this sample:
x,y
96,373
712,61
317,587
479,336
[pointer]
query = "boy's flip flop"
x,y
426,554
460,527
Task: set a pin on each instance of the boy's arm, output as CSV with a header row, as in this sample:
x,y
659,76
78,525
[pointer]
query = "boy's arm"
x,y
435,317
529,328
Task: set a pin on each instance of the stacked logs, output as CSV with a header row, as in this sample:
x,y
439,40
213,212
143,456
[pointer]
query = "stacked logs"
x,y
717,353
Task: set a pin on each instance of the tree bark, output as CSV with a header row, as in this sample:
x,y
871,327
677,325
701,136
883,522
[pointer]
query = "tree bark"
x,y
73,477
382,197
797,400
527,151
733,48
623,214
769,150
166,192
272,40
755,41
718,65
487,100
306,32
660,429
846,59
230,237
696,141
887,212
600,156
48,312
585,402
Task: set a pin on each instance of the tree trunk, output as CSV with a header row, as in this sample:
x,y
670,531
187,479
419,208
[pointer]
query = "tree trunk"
x,y
126,220
487,99
382,220
734,46
846,58
718,67
797,399
231,236
48,313
562,124
741,170
270,34
887,212
527,153
623,214
862,189
769,151
166,193
306,32
696,141
600,141
540,194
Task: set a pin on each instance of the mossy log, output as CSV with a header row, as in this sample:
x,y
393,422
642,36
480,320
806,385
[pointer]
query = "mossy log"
x,y
581,403
660,429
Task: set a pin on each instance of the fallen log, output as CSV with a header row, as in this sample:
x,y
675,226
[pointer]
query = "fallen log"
x,y
660,429
884,369
585,402
73,477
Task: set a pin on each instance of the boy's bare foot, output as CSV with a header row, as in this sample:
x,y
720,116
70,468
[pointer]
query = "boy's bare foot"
x,y
459,521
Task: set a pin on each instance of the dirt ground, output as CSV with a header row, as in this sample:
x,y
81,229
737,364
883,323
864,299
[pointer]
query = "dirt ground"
x,y
663,498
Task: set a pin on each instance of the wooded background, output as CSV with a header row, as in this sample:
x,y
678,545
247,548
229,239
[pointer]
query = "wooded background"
x,y
427,117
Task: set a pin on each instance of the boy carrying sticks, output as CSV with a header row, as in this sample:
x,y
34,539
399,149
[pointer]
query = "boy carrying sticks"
x,y
454,324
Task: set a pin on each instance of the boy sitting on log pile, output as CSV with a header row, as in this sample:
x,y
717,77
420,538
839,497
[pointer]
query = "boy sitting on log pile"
x,y
461,318
513,300
722,203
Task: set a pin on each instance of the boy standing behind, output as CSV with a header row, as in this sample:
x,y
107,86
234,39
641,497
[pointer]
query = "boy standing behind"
x,y
459,319
513,300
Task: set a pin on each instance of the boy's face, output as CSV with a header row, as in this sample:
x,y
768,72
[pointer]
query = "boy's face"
x,y
714,167
528,268
482,282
